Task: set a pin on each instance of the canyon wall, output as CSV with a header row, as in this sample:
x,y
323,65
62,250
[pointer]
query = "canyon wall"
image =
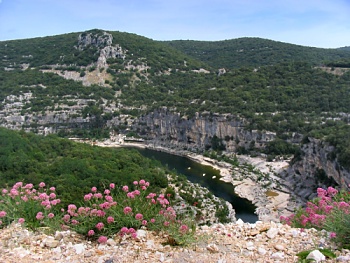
x,y
314,168
197,134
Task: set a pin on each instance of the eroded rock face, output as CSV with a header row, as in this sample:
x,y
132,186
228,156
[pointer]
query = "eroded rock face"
x,y
315,169
104,44
173,130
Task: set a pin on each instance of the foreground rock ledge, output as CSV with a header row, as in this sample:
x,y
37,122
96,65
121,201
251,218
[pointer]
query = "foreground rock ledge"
x,y
239,242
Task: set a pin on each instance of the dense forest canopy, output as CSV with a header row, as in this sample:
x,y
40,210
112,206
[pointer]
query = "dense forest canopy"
x,y
73,168
255,52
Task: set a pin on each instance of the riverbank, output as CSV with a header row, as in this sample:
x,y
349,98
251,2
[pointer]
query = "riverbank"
x,y
255,179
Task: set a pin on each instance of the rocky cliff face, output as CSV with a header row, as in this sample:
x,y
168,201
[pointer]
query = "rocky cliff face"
x,y
315,168
197,134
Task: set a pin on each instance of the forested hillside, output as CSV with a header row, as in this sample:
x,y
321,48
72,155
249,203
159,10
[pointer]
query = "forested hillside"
x,y
89,84
72,167
255,52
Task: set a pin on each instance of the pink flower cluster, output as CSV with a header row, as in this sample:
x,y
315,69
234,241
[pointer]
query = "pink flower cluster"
x,y
316,211
128,231
25,193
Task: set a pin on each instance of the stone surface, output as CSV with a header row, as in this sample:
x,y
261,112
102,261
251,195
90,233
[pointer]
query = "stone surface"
x,y
216,243
316,255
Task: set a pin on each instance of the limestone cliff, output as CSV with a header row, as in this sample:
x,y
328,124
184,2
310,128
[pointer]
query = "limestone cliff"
x,y
316,168
173,130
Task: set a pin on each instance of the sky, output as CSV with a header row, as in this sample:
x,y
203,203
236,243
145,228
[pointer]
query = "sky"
x,y
316,23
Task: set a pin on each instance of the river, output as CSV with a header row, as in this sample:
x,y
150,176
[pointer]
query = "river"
x,y
194,173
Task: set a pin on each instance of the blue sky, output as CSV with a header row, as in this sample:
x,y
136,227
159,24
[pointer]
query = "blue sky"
x,y
317,23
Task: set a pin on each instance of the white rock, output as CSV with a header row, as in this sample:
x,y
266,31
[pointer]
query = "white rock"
x,y
316,255
161,256
343,258
204,227
21,252
279,247
213,248
262,251
239,222
57,250
294,232
79,248
277,255
272,232
58,235
250,245
111,242
150,244
141,234
50,242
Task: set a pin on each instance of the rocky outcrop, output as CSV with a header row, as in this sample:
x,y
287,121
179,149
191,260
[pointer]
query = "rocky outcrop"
x,y
171,130
315,168
103,43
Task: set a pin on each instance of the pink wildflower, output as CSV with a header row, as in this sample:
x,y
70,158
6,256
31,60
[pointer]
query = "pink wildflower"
x,y
332,191
110,219
45,203
134,235
130,195
52,195
99,225
131,230
87,197
151,195
91,233
321,192
332,235
52,189
138,216
102,239
112,185
144,222
66,218
24,198
42,185
166,223
72,207
135,182
2,213
28,186
125,188
153,220
21,220
142,182
107,192
100,213
14,192
93,189
4,191
43,196
109,198
183,228
50,215
127,210
124,230
18,185
98,195
39,216
75,222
